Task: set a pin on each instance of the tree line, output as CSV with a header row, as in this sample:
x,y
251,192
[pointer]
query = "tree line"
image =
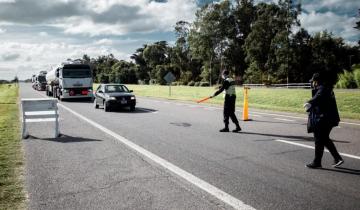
x,y
262,43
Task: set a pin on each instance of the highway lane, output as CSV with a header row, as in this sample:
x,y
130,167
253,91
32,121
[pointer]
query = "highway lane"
x,y
250,166
87,169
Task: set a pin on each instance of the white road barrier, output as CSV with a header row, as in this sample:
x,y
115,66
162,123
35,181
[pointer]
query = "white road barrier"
x,y
39,110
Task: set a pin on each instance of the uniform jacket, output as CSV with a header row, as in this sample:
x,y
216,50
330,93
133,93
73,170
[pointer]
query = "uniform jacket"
x,y
228,85
324,108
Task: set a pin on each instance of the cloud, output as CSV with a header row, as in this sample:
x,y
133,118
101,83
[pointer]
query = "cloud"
x,y
340,25
104,42
341,6
101,17
9,56
2,30
43,34
44,54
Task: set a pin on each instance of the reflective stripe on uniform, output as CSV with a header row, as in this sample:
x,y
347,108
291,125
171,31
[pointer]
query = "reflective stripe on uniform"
x,y
231,88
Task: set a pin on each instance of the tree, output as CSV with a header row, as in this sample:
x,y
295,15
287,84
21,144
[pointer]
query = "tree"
x,y
208,36
124,72
241,19
328,55
268,45
156,54
358,26
300,62
143,71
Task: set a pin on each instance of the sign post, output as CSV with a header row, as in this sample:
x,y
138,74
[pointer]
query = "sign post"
x,y
169,78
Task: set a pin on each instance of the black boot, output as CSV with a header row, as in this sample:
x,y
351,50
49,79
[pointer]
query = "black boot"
x,y
237,129
226,129
313,165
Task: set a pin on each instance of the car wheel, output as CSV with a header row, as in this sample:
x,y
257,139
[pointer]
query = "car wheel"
x,y
96,105
132,108
106,107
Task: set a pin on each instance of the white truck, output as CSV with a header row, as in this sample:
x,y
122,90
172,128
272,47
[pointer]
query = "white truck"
x,y
39,81
70,80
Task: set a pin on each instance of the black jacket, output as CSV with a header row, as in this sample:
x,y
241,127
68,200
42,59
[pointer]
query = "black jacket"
x,y
323,104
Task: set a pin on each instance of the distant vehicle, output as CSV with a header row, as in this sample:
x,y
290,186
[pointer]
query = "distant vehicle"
x,y
39,81
112,96
33,78
70,80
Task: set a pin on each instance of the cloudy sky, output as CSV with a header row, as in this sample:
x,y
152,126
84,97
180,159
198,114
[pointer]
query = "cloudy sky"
x,y
38,34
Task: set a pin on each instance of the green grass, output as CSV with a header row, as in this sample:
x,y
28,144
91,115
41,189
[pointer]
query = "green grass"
x,y
290,100
12,194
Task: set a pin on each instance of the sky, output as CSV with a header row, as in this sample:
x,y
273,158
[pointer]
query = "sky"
x,y
36,35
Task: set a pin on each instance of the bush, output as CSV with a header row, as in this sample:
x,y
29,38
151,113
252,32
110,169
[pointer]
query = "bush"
x,y
191,83
357,77
197,84
346,80
204,84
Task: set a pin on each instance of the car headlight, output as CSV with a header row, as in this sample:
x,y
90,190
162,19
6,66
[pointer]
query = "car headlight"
x,y
112,98
132,98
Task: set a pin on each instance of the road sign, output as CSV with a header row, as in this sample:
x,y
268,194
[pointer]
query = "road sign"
x,y
169,77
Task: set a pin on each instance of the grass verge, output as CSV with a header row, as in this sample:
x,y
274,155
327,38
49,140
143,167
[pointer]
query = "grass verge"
x,y
12,194
290,100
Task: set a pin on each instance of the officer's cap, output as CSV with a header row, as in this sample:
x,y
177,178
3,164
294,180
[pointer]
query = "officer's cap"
x,y
316,77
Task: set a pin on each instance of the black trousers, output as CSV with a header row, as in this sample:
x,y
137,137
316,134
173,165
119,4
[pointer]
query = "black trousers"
x,y
229,110
322,139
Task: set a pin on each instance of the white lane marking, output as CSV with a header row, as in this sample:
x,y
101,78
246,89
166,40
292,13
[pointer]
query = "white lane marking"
x,y
311,147
284,119
254,115
216,192
288,116
303,118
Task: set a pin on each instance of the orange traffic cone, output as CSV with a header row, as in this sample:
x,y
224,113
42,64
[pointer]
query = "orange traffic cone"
x,y
246,105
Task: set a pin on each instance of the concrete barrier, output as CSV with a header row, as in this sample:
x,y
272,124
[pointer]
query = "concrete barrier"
x,y
39,110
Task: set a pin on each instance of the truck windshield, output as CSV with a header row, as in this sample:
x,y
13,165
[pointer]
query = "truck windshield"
x,y
41,79
76,73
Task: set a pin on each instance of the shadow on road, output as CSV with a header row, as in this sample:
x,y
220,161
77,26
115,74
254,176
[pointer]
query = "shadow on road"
x,y
278,122
297,138
78,100
138,110
343,170
64,139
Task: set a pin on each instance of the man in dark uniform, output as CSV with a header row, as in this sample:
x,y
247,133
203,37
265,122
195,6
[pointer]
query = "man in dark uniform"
x,y
325,116
229,104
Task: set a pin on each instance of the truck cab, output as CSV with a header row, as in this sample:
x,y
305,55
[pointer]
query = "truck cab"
x,y
70,80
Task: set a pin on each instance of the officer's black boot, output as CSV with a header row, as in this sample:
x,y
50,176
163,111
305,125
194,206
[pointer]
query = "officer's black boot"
x,y
237,129
226,129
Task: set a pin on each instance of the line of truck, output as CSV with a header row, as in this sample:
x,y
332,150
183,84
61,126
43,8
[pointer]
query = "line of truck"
x,y
68,80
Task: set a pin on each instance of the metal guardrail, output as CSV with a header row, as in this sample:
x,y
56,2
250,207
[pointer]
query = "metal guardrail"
x,y
288,85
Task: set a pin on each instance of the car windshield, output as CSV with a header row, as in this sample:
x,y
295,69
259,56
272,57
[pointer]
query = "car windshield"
x,y
41,79
115,88
76,73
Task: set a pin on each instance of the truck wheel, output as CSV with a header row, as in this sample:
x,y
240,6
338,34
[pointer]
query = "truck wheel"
x,y
96,105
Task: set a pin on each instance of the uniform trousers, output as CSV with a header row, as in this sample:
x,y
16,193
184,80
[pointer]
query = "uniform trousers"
x,y
229,110
322,139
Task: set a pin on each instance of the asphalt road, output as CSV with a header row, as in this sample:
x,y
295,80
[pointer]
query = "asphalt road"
x,y
262,167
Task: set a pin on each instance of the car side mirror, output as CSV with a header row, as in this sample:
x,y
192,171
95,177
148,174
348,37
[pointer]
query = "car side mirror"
x,y
100,91
131,91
